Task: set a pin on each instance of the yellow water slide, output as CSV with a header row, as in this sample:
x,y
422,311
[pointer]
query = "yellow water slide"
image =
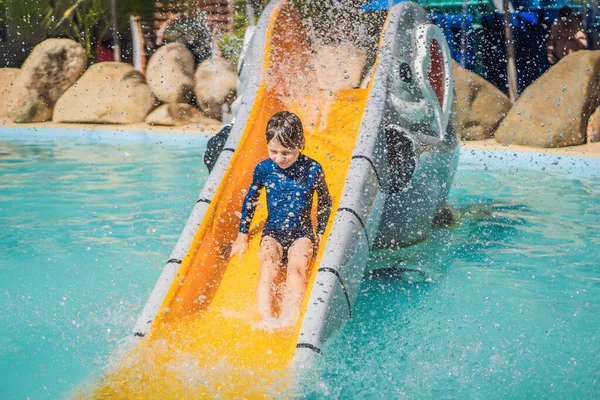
x,y
203,342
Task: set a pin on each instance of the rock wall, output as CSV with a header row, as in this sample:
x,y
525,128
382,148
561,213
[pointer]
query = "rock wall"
x,y
51,86
480,106
555,109
51,68
108,92
593,127
170,73
215,85
8,76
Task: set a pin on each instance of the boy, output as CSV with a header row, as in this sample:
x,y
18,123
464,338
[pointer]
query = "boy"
x,y
290,179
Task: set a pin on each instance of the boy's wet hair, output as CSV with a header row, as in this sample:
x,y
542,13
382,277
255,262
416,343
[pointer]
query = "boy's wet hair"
x,y
286,128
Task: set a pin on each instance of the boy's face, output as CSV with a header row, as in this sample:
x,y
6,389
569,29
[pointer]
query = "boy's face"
x,y
281,155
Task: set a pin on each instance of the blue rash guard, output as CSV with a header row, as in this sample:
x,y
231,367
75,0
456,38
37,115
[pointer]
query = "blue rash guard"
x,y
289,199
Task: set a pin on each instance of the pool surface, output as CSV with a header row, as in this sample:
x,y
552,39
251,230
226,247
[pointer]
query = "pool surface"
x,y
505,304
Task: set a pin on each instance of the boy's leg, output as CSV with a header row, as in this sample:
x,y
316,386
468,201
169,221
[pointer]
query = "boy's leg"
x,y
300,254
270,255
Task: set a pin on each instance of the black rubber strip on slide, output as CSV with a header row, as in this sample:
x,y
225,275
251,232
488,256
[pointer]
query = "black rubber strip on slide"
x,y
351,211
337,274
372,166
309,346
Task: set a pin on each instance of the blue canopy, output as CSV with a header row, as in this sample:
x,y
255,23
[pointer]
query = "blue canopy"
x,y
378,5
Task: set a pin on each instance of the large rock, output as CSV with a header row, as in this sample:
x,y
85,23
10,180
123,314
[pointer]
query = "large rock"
x,y
593,127
554,110
178,114
108,92
216,82
47,73
8,76
339,67
480,106
170,73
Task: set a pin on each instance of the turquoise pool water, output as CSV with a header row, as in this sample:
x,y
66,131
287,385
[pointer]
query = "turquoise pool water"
x,y
507,305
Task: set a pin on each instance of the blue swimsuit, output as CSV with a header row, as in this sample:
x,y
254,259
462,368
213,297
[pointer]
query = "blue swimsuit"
x,y
289,200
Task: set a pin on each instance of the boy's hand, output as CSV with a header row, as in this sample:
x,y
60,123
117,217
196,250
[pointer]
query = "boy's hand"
x,y
240,245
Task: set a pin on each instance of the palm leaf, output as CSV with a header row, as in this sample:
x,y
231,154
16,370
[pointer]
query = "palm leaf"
x,y
47,18
67,14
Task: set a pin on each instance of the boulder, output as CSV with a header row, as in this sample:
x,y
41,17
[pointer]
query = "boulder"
x,y
108,92
51,68
170,73
480,106
7,78
593,127
215,85
338,67
554,110
178,114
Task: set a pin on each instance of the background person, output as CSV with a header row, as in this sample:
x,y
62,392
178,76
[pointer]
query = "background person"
x,y
567,35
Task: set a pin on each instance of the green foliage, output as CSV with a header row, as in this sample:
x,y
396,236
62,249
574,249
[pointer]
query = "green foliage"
x,y
231,47
259,5
240,17
143,8
23,19
2,12
85,21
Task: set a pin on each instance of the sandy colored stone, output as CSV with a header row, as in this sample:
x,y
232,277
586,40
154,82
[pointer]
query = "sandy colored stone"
x,y
593,127
51,68
108,92
170,73
554,110
215,85
480,106
8,76
178,114
338,67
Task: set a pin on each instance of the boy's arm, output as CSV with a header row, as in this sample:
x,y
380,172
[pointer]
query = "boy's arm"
x,y
324,202
249,206
581,38
240,245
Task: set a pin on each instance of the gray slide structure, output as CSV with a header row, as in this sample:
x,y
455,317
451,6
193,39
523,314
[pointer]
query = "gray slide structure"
x,y
399,177
401,170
